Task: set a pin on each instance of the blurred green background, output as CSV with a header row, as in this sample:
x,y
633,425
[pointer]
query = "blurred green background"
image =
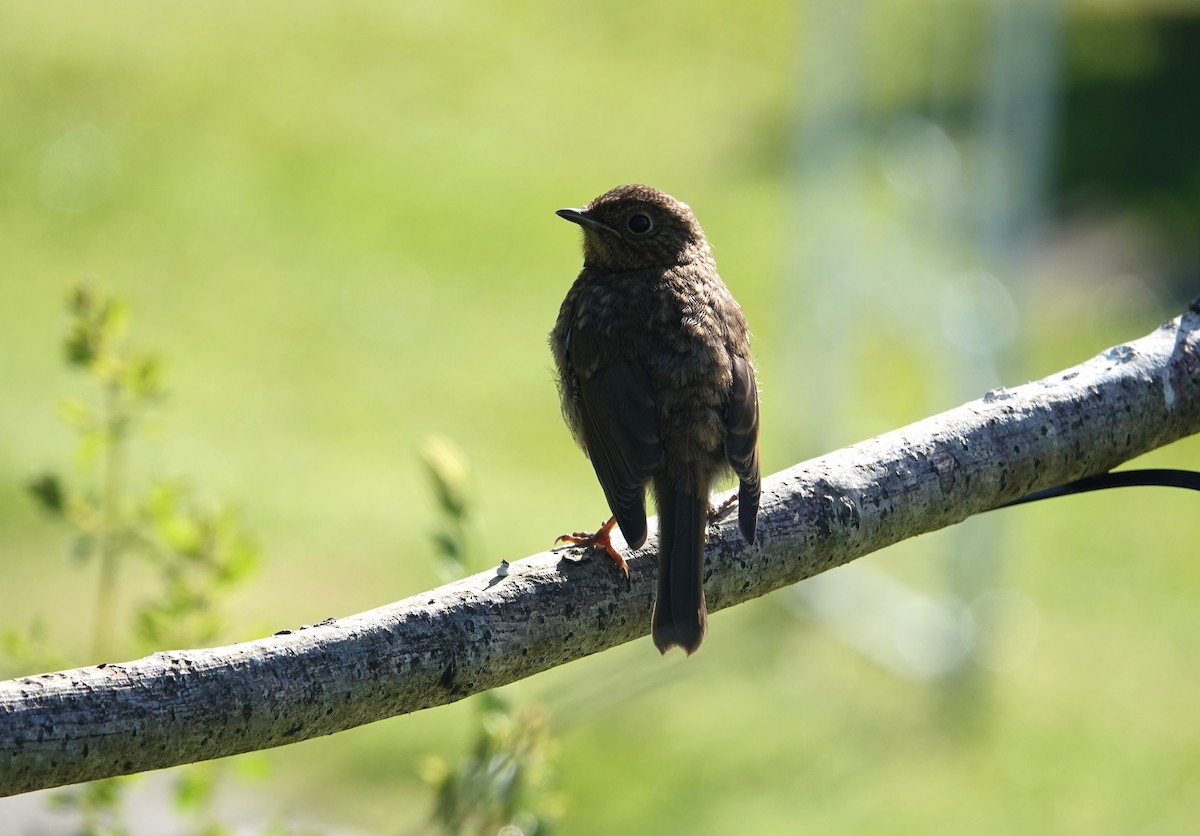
x,y
335,223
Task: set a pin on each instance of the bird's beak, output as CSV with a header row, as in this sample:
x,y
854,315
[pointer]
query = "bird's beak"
x,y
579,216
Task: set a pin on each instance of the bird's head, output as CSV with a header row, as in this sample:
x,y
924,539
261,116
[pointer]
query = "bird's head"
x,y
636,227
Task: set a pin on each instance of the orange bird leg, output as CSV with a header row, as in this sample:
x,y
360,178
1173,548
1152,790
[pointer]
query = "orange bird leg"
x,y
599,540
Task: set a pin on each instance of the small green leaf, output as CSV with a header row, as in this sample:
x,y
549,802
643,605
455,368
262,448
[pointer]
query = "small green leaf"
x,y
81,300
252,766
108,367
194,789
90,445
47,490
83,546
449,546
144,377
78,414
113,319
240,559
163,499
450,472
80,346
182,533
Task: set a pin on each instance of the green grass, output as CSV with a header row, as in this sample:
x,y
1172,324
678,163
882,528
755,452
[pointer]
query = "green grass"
x,y
335,222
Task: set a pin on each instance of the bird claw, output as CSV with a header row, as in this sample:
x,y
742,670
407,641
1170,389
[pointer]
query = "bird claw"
x,y
600,539
718,513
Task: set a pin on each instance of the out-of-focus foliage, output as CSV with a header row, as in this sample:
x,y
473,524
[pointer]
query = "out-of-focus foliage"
x,y
450,477
504,784
198,550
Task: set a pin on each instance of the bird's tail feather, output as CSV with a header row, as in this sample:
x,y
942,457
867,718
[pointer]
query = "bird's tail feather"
x,y
680,619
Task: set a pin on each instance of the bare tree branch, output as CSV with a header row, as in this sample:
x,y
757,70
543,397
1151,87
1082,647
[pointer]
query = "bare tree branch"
x,y
494,628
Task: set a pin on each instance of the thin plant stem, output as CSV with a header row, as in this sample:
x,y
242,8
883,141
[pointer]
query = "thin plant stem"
x,y
110,540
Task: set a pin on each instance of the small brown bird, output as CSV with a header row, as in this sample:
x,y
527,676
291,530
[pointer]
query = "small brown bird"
x,y
654,373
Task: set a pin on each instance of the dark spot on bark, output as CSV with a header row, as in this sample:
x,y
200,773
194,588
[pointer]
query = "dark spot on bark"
x,y
821,521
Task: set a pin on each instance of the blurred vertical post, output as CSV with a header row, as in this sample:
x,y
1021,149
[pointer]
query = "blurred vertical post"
x,y
918,189
1016,125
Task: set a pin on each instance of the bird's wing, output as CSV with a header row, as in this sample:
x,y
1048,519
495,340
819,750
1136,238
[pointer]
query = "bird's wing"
x,y
741,443
620,428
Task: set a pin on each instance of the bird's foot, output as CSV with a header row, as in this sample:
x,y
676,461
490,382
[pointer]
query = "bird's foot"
x,y
598,540
718,513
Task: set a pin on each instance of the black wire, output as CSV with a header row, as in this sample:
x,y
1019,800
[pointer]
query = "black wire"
x,y
1150,477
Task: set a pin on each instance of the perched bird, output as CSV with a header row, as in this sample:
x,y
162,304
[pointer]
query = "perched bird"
x,y
654,374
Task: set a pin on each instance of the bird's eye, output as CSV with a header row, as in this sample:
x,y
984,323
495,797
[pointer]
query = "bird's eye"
x,y
639,224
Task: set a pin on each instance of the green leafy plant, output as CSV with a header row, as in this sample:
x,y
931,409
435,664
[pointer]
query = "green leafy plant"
x,y
450,476
98,805
505,784
196,548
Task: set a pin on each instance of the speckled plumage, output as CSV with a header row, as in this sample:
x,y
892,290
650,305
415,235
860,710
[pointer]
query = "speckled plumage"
x,y
653,359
